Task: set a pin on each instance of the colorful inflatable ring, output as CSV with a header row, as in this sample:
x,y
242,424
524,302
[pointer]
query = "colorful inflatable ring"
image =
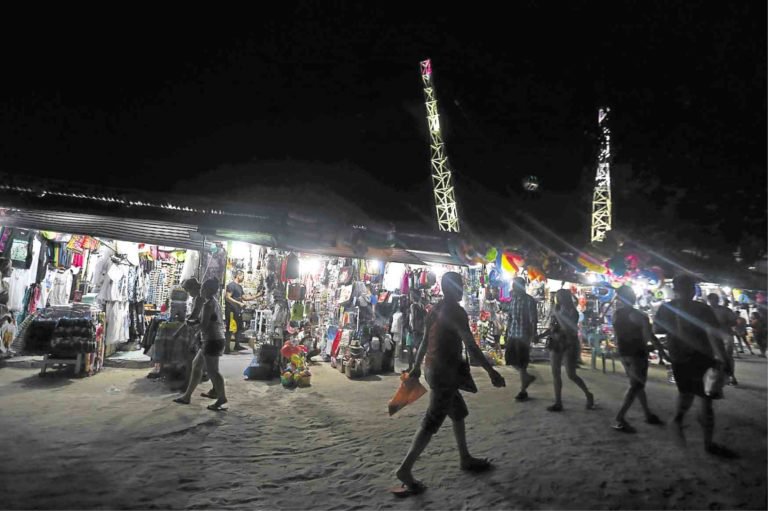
x,y
603,293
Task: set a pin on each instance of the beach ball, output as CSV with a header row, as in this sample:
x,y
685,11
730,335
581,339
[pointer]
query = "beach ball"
x,y
508,263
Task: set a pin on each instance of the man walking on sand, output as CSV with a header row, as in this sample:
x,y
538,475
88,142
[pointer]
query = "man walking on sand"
x,y
727,320
633,335
694,347
447,326
522,321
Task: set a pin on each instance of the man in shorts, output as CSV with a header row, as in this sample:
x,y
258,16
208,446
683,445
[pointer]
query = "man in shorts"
x,y
633,335
694,347
522,321
727,320
447,327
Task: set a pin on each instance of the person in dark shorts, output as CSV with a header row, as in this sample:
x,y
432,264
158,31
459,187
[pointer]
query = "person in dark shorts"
x,y
565,348
694,347
759,332
447,326
212,331
522,321
633,335
234,302
726,319
740,330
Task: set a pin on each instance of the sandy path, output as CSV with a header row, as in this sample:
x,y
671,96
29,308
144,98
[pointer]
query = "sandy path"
x,y
117,441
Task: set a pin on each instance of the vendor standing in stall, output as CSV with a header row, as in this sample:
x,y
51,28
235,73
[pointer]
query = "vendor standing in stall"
x,y
234,303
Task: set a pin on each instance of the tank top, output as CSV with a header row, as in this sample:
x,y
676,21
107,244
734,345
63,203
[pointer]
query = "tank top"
x,y
212,326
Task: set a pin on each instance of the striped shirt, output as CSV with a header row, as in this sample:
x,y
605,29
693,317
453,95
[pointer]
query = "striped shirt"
x,y
522,317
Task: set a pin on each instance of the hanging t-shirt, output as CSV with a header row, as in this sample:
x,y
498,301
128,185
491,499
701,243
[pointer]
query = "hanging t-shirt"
x,y
21,248
62,285
397,323
191,263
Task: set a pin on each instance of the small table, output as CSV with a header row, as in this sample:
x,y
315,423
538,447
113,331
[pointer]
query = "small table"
x,y
78,362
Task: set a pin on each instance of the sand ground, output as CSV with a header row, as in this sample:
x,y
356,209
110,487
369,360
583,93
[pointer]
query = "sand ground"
x,y
116,440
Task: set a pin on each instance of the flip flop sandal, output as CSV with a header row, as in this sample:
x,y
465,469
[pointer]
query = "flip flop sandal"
x,y
181,401
405,490
209,395
216,408
624,427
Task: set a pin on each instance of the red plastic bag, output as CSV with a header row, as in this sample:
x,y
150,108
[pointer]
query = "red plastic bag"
x,y
410,390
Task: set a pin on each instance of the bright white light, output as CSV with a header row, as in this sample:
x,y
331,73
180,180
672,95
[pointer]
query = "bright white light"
x,y
591,278
240,250
727,290
309,265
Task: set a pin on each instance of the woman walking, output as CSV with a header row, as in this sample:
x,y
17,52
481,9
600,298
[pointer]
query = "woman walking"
x,y
564,347
212,332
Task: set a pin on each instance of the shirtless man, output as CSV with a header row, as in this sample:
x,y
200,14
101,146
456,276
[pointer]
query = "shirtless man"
x,y
694,346
447,326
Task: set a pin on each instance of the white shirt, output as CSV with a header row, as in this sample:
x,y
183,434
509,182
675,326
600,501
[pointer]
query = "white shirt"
x,y
62,286
397,323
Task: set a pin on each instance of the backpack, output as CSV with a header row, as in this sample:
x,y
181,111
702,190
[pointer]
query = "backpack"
x,y
292,267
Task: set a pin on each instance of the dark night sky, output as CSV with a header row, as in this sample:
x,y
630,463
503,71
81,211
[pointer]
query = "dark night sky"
x,y
151,100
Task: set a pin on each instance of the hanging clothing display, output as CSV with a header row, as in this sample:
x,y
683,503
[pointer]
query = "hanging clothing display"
x,y
20,279
21,248
61,287
214,263
117,323
114,294
191,265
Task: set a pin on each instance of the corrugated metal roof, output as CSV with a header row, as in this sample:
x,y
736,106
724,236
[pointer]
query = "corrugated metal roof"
x,y
393,255
137,231
435,257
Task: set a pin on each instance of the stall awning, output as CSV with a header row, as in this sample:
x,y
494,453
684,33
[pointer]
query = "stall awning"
x,y
134,230
435,257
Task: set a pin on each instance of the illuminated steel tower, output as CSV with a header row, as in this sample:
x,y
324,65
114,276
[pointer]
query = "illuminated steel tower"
x,y
442,180
601,198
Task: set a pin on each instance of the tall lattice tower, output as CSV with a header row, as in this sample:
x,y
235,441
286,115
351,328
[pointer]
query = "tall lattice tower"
x,y
442,180
601,198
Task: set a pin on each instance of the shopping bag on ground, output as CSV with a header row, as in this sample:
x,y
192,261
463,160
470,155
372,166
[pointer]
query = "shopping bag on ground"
x,y
410,390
